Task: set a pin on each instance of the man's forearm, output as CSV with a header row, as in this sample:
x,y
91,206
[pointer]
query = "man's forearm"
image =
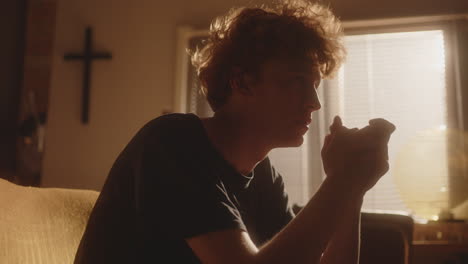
x,y
345,243
305,238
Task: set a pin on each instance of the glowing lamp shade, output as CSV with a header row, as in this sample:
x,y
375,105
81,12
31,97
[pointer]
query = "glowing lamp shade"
x,y
428,169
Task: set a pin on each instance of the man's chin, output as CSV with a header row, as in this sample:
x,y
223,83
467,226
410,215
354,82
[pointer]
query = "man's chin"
x,y
292,142
298,142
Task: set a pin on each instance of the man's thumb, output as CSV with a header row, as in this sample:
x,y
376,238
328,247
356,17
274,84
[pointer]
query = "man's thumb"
x,y
337,123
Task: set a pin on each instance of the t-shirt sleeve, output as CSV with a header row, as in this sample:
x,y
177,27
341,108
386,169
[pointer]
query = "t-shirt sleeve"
x,y
181,196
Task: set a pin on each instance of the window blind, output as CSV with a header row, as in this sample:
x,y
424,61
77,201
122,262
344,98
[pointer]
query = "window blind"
x,y
399,77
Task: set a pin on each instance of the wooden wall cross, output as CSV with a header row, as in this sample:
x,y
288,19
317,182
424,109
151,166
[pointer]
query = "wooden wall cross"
x,y
87,57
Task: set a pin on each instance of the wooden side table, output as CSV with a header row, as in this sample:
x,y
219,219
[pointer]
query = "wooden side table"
x,y
440,243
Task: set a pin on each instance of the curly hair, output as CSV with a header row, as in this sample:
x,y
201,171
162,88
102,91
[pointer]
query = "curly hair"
x,y
247,37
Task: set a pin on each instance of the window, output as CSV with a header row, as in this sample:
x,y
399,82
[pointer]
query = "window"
x,y
400,76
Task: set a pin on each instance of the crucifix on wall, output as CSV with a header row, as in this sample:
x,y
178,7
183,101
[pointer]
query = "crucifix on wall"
x,y
87,57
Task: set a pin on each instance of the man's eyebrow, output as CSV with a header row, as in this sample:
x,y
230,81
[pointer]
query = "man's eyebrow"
x,y
307,73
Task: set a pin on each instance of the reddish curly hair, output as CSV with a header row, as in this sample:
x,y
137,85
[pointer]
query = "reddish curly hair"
x,y
247,37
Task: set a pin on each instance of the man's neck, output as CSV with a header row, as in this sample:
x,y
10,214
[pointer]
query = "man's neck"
x,y
238,141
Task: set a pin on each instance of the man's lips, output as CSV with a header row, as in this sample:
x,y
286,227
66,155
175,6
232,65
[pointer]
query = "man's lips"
x,y
304,122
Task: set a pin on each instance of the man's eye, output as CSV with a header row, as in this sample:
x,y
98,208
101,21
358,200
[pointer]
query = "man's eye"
x,y
316,84
300,81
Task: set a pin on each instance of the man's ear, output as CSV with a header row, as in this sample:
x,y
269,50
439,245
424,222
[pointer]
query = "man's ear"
x,y
240,82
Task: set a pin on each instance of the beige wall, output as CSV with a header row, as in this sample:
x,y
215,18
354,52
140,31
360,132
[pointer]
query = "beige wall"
x,y
137,84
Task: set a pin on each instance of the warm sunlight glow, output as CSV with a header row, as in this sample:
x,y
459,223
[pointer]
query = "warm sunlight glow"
x,y
420,170
431,169
401,77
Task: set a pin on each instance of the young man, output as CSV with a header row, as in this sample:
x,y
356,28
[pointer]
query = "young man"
x,y
191,190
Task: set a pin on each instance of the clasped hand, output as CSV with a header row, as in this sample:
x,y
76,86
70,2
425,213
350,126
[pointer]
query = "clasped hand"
x,y
357,157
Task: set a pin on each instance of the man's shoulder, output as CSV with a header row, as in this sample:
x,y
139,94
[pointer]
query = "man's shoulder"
x,y
173,120
170,125
169,129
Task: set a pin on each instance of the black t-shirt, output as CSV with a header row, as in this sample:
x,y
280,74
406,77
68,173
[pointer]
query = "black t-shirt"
x,y
169,184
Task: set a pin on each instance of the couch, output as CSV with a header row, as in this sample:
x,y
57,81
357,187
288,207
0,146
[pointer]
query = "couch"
x,y
42,225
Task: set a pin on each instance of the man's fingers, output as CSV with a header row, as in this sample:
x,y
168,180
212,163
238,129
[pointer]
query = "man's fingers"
x,y
377,148
337,120
382,125
374,161
381,122
326,142
337,124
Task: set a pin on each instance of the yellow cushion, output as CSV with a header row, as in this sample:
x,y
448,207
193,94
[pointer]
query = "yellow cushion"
x,y
42,225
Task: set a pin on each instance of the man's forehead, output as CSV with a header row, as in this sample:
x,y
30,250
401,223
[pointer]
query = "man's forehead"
x,y
298,66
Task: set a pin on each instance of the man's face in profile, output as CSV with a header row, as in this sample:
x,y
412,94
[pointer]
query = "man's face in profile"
x,y
285,97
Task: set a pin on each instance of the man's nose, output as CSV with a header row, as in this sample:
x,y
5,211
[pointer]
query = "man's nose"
x,y
313,100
